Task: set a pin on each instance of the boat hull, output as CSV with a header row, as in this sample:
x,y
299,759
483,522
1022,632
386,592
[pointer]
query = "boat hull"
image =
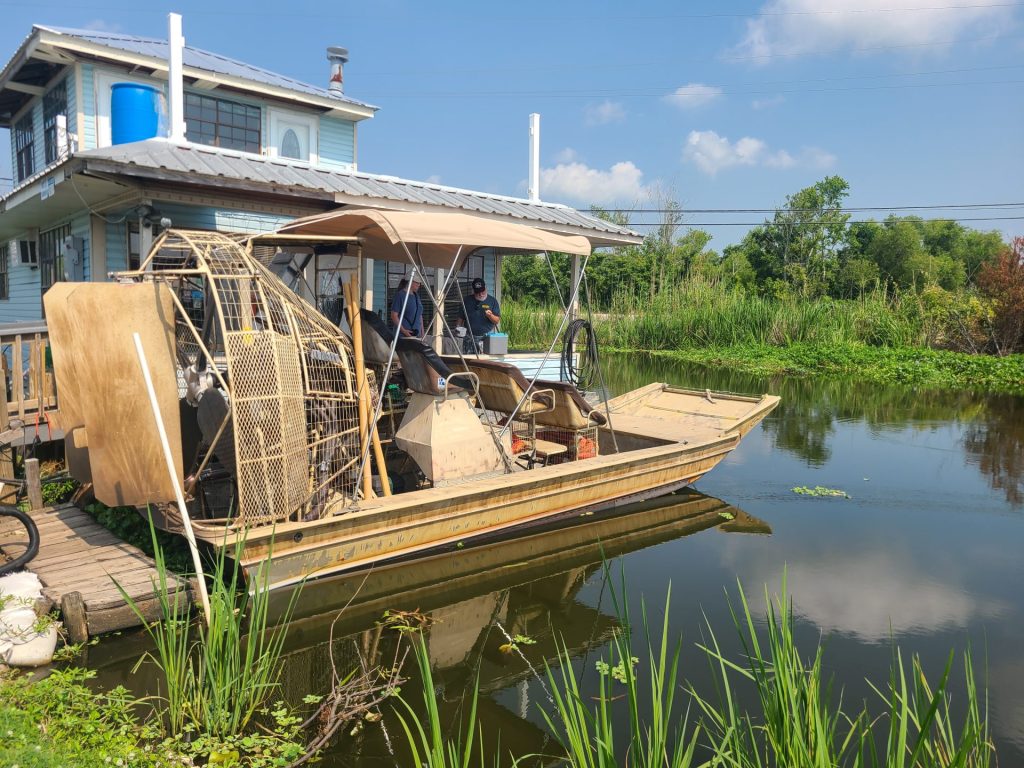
x,y
410,523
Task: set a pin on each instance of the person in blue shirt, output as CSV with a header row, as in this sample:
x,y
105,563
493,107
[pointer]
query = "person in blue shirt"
x,y
411,324
482,314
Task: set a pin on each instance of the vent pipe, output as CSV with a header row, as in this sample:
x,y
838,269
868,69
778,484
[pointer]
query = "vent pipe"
x,y
338,58
534,188
175,86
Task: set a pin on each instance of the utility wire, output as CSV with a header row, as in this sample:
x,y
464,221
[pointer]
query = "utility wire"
x,y
812,223
684,211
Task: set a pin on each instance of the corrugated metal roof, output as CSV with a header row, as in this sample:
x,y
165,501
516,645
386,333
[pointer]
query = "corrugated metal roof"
x,y
154,155
200,59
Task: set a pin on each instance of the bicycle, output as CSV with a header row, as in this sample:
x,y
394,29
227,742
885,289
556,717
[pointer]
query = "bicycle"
x,y
33,540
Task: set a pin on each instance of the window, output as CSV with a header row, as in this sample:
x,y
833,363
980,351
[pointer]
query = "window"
x,y
290,145
292,134
54,103
24,147
4,269
134,245
221,123
51,256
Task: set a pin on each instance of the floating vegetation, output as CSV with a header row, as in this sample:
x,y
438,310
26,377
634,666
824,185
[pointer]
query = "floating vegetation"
x,y
820,490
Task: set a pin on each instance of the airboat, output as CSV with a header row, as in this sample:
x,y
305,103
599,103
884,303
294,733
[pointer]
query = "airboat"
x,y
206,388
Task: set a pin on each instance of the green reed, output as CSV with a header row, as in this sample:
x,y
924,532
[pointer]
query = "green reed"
x,y
428,745
799,719
702,313
772,707
219,673
657,735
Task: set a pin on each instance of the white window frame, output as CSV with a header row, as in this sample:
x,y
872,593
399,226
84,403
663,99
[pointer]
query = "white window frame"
x,y
104,80
280,121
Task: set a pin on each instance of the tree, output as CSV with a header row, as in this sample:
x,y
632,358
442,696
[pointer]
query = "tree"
x,y
802,242
1002,281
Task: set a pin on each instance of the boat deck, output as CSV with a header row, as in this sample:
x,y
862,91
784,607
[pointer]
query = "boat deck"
x,y
78,562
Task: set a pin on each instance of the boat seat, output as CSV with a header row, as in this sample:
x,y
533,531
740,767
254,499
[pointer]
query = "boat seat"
x,y
424,369
570,410
502,386
377,338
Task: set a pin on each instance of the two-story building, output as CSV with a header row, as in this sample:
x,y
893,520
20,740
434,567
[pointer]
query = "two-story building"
x,y
258,150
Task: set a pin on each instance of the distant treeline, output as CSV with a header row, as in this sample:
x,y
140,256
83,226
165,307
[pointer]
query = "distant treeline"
x,y
969,282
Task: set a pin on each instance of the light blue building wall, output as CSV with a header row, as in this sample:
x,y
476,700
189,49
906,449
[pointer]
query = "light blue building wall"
x,y
337,143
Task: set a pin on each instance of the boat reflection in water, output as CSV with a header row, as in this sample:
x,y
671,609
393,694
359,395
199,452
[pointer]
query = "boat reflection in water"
x,y
475,602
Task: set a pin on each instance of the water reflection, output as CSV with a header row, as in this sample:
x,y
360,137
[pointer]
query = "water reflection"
x,y
481,600
804,423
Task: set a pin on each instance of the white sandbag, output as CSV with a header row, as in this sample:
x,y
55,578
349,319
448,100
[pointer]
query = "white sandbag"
x,y
26,640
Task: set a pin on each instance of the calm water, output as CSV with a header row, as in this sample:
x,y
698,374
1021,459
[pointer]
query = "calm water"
x,y
925,554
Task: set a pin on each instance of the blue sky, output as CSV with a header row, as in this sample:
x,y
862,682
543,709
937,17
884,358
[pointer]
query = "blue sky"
x,y
718,105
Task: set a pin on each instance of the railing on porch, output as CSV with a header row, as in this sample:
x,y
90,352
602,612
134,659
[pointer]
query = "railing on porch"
x,y
28,387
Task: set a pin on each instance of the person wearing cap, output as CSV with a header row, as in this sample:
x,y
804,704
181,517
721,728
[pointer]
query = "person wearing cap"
x,y
411,325
482,313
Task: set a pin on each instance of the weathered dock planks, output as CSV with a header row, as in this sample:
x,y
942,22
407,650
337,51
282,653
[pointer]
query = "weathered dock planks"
x,y
78,563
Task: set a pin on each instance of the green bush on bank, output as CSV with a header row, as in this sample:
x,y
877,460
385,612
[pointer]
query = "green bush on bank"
x,y
921,339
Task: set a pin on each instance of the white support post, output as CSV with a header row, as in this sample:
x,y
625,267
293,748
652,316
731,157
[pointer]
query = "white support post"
x,y
534,190
175,83
367,279
439,308
574,307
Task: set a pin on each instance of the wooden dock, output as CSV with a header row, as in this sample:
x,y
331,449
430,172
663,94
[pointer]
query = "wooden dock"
x,y
78,562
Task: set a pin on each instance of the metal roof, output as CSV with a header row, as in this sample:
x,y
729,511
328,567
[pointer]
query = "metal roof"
x,y
200,59
195,163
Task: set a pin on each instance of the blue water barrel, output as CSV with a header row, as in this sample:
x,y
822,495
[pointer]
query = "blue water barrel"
x,y
135,112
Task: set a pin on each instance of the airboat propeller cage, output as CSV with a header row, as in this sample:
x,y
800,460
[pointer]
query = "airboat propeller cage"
x,y
285,370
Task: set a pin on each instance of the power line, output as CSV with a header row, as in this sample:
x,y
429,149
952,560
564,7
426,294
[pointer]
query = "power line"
x,y
812,210
814,223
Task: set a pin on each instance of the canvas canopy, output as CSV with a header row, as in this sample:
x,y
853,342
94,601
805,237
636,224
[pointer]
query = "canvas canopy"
x,y
433,238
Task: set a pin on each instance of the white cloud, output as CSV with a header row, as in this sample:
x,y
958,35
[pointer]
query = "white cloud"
x,y
771,101
693,95
577,181
606,112
872,596
433,179
567,155
712,153
788,27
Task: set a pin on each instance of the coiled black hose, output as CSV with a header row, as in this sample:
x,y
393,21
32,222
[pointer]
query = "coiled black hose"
x,y
33,540
581,372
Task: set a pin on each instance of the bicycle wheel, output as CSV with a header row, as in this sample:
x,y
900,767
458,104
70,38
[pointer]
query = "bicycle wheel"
x,y
30,550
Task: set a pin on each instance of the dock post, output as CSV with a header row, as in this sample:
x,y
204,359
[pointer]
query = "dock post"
x,y
72,609
35,489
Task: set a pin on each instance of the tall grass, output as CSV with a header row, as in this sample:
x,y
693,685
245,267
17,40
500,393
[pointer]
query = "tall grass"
x,y
218,674
701,313
657,737
428,745
771,707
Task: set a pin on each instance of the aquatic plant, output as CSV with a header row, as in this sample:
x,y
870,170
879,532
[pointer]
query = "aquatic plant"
x,y
800,720
585,730
428,746
220,674
819,490
795,718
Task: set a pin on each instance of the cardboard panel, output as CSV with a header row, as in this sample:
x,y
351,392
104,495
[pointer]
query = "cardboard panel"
x,y
102,387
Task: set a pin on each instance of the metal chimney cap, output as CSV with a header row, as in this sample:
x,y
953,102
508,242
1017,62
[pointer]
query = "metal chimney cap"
x,y
336,52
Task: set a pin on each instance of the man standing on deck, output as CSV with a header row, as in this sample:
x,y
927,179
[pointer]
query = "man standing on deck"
x,y
411,325
482,315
